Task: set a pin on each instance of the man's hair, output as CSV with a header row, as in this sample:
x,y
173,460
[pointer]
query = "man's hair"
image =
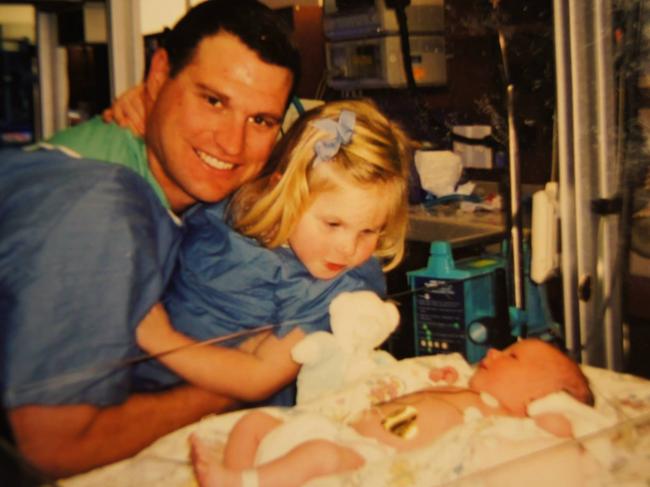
x,y
379,153
256,25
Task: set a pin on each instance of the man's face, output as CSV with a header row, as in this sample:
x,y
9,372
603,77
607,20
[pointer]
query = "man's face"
x,y
212,127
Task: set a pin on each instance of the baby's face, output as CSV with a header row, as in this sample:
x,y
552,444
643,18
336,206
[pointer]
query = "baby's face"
x,y
524,371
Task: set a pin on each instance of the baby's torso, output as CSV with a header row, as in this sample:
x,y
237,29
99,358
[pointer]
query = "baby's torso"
x,y
415,420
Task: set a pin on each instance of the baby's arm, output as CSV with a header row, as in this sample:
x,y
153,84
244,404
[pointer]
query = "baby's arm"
x,y
447,374
228,371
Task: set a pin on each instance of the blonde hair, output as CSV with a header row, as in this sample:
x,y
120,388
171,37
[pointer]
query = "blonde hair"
x,y
379,152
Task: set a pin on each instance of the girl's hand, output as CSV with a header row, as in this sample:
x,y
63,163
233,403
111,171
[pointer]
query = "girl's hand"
x,y
128,110
447,374
154,333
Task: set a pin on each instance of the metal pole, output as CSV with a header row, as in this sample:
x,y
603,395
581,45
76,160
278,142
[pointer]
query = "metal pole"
x,y
515,199
566,174
608,176
585,153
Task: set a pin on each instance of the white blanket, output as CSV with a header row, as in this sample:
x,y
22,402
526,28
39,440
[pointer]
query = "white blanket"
x,y
613,447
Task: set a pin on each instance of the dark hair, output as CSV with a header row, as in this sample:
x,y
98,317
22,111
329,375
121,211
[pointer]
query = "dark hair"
x,y
577,384
261,29
580,389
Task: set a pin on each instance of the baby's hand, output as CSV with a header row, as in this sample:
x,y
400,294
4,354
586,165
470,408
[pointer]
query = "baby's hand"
x,y
447,374
152,332
128,110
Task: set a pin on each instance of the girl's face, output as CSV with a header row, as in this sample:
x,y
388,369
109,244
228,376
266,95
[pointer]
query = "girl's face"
x,y
340,229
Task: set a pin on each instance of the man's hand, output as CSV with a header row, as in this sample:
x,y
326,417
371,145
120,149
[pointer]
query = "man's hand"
x,y
128,110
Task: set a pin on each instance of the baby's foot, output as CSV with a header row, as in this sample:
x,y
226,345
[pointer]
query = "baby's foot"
x,y
208,470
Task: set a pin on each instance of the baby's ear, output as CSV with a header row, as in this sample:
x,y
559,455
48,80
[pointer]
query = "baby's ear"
x,y
554,423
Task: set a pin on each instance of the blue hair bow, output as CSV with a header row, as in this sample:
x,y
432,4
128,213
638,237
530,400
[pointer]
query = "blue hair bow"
x,y
341,130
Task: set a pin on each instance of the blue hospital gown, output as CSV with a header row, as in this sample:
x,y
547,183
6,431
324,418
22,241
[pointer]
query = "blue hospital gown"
x,y
226,283
86,248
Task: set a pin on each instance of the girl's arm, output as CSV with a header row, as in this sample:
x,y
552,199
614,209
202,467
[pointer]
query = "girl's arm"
x,y
129,111
228,371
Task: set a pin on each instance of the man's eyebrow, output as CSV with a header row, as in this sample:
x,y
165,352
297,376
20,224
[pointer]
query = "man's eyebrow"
x,y
209,89
273,116
277,118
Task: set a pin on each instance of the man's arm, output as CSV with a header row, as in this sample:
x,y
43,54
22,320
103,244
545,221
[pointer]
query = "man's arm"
x,y
64,440
86,250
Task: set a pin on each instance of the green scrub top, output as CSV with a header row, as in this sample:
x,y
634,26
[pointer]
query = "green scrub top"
x,y
102,141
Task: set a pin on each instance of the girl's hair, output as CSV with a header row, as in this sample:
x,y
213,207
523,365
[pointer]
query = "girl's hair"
x,y
379,152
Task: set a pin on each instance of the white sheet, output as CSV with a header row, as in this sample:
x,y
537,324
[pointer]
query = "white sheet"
x,y
467,455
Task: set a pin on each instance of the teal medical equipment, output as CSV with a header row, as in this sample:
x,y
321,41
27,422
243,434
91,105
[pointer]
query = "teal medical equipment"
x,y
463,306
459,306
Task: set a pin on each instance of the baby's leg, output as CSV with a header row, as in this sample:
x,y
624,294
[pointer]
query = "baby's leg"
x,y
314,458
245,437
306,461
208,470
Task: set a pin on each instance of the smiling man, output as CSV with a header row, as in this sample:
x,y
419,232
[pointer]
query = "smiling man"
x,y
214,101
87,247
212,126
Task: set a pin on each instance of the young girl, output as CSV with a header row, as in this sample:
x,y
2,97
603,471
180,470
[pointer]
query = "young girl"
x,y
331,205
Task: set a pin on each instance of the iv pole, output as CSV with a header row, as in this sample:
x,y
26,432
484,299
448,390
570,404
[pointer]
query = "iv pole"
x,y
588,166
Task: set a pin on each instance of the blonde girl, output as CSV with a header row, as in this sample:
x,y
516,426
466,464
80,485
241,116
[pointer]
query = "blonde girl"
x,y
325,217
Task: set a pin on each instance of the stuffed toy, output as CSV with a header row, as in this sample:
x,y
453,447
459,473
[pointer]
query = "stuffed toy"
x,y
360,322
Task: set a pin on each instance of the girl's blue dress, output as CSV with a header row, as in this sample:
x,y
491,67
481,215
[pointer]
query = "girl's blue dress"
x,y
225,283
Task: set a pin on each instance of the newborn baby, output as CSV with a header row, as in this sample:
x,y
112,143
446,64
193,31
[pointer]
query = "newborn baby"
x,y
263,450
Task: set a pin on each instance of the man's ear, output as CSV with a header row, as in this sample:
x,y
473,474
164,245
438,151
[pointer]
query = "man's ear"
x,y
158,73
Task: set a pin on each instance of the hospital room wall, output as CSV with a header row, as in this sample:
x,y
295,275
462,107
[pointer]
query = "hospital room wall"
x,y
305,17
102,43
473,70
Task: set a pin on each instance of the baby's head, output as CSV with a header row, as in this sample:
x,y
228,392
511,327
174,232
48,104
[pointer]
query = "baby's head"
x,y
528,370
376,157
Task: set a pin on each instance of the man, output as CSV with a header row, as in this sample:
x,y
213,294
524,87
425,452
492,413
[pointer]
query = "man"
x,y
86,247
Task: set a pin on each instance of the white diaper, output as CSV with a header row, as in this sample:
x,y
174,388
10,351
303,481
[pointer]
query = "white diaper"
x,y
310,426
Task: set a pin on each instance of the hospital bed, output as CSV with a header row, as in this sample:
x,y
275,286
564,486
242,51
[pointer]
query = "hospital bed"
x,y
612,445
